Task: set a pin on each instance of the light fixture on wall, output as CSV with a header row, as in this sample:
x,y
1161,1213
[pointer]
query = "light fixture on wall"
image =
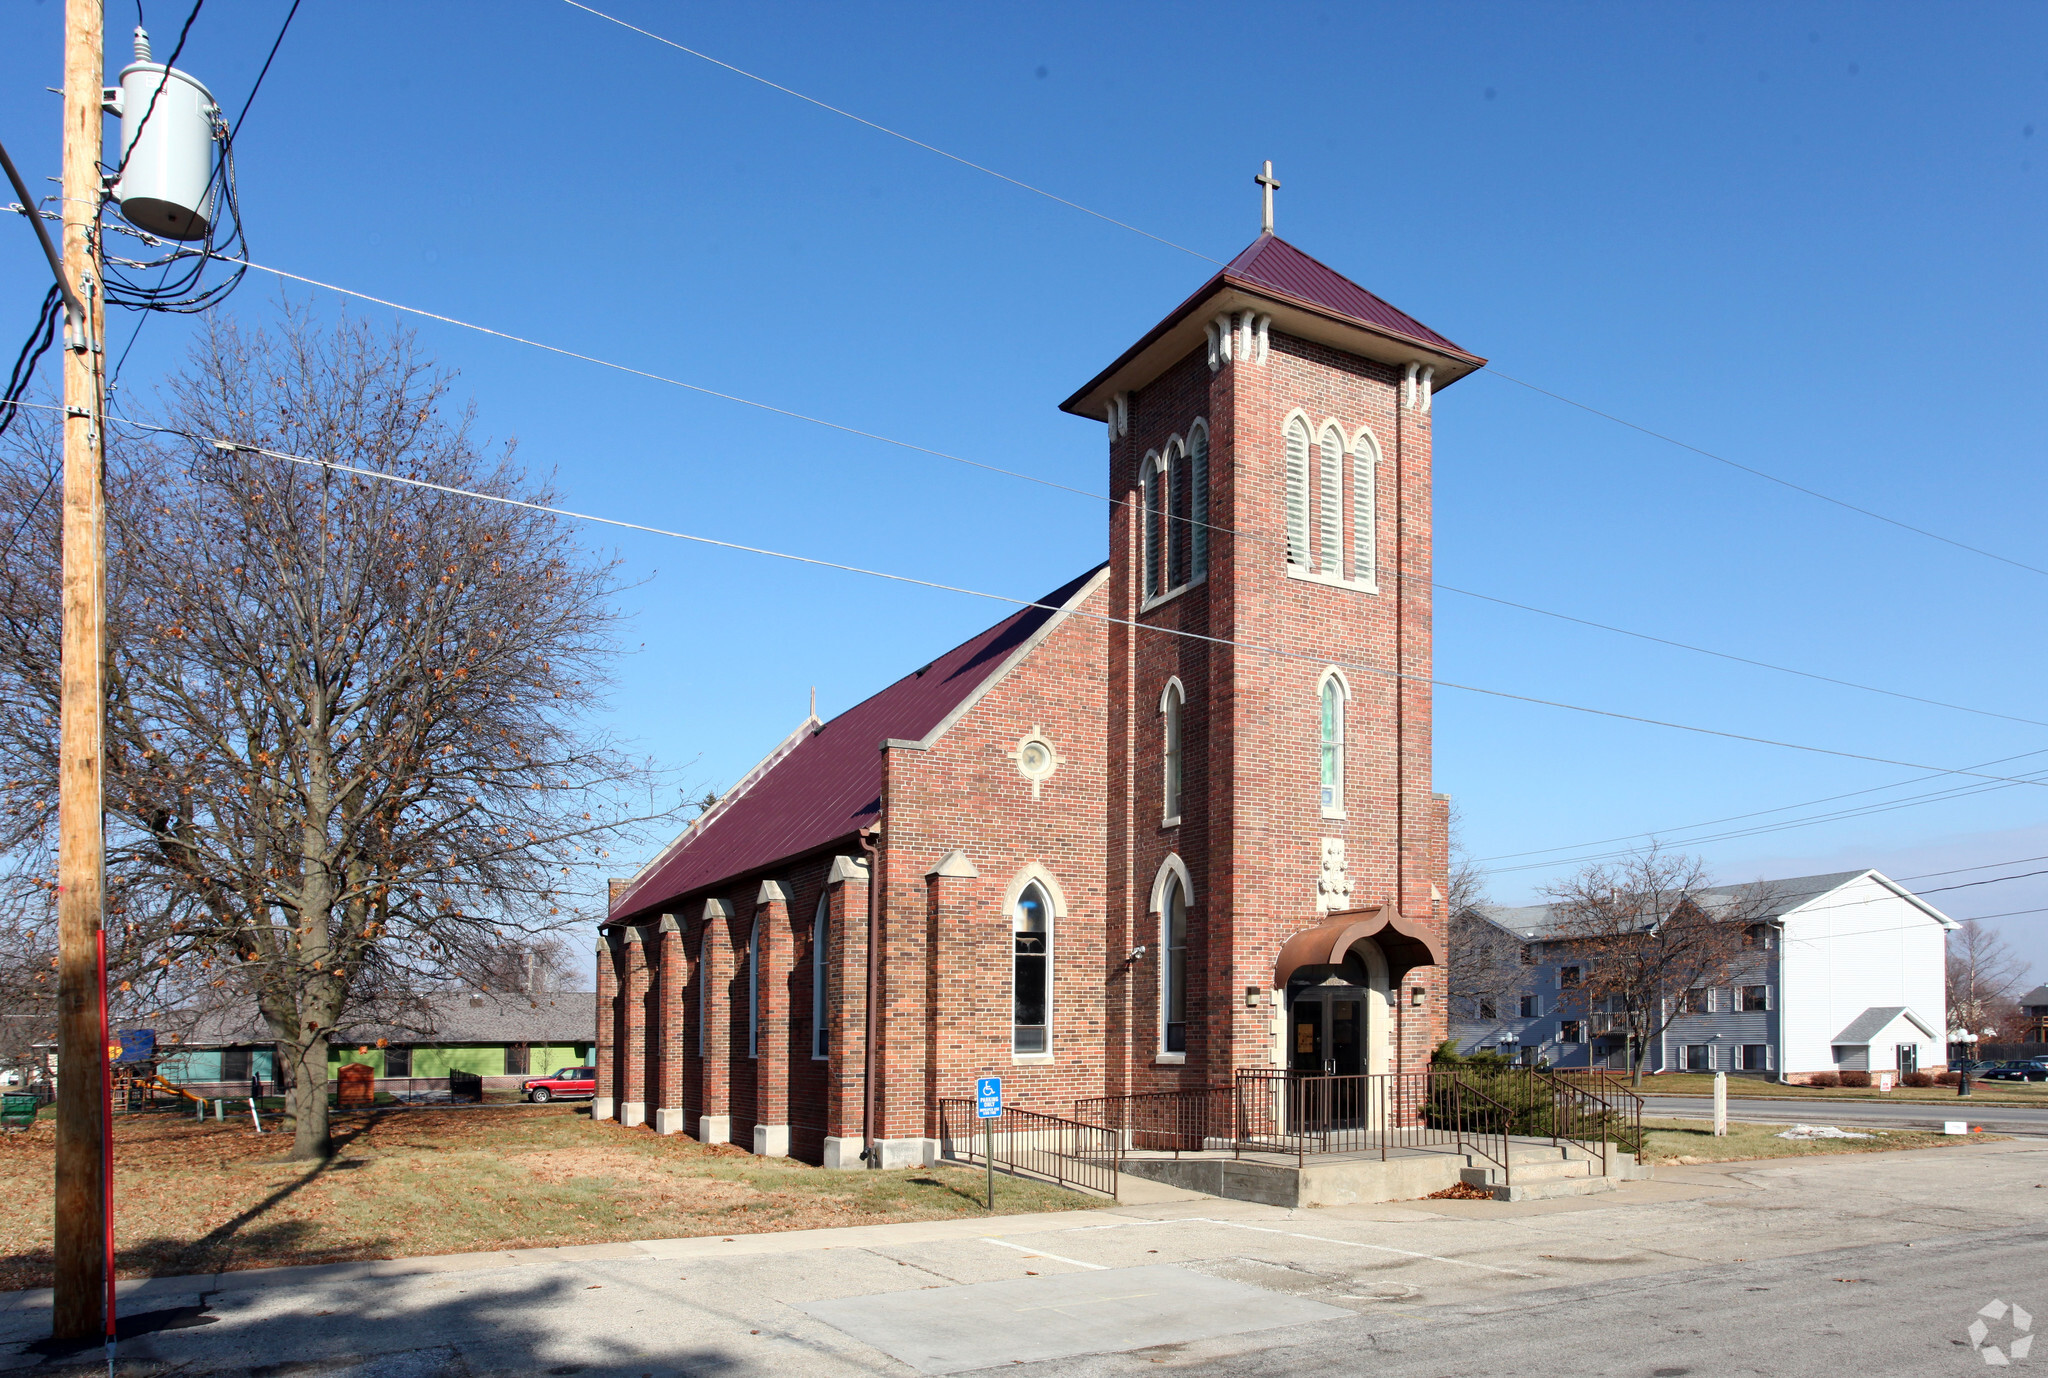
x,y
1416,996
1137,954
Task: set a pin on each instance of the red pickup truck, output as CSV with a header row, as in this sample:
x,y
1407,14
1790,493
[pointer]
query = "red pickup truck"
x,y
570,1081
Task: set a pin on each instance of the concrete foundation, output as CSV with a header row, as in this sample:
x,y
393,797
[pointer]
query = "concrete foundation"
x,y
632,1112
771,1140
668,1121
714,1129
842,1153
601,1108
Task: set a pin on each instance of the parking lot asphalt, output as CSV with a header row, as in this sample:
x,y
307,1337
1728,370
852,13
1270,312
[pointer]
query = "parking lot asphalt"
x,y
1870,1263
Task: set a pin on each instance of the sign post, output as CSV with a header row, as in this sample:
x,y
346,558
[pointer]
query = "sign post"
x,y
1720,1104
988,1107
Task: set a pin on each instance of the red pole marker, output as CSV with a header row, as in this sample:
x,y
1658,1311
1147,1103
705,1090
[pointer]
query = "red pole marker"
x,y
106,1136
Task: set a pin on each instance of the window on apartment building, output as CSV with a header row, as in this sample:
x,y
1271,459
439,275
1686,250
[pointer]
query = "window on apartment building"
x,y
1171,702
234,1064
1571,1031
1757,935
1031,972
1756,998
1698,1000
1530,1055
1486,1010
821,968
1173,971
398,1060
1529,1009
1331,695
1567,977
1756,1057
518,1058
1699,1057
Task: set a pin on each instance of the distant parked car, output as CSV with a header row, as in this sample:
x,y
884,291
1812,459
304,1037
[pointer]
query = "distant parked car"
x,y
569,1082
2018,1070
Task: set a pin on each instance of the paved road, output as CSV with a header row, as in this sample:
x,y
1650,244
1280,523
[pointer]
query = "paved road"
x,y
1867,1264
2026,1119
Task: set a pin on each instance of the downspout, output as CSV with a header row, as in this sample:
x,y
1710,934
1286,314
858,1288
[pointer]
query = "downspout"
x,y
870,843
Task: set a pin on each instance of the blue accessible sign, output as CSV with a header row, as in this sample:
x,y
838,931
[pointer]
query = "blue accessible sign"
x,y
988,1098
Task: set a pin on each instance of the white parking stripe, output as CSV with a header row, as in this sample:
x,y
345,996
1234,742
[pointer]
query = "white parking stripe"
x,y
1023,1249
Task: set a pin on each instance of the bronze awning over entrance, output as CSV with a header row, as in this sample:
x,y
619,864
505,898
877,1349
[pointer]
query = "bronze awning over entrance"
x,y
1404,945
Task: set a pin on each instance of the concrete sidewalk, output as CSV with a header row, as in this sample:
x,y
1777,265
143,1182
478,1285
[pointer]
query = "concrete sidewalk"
x,y
948,1296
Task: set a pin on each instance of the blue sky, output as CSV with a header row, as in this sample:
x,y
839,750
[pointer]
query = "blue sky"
x,y
1804,237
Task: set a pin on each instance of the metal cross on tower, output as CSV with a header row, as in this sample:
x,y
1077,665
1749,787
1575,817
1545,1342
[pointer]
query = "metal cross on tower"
x,y
1270,184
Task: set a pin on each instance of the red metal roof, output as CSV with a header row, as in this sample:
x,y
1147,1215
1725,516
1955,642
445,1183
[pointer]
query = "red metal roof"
x,y
1270,267
1274,264
826,782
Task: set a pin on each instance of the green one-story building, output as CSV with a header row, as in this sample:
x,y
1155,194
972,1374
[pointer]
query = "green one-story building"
x,y
501,1038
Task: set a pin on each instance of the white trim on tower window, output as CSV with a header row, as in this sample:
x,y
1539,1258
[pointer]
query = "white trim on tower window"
x,y
1316,512
1173,755
821,966
1333,692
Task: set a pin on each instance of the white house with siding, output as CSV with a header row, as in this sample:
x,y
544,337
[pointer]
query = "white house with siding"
x,y
1842,972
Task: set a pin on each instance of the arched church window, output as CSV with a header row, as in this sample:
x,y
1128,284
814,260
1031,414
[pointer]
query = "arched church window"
x,y
1031,938
1198,501
754,990
1330,504
703,986
1297,494
1170,705
1332,695
1179,516
1173,970
1148,536
821,965
1365,457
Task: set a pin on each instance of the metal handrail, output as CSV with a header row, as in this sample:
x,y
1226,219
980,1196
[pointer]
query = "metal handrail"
x,y
1028,1143
1183,1120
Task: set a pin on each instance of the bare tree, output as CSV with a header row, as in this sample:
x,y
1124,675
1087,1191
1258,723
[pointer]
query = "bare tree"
x,y
1483,961
348,754
1983,976
1649,929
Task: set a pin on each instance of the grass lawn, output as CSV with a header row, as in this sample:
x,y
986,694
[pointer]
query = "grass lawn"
x,y
1679,1142
192,1198
1983,1092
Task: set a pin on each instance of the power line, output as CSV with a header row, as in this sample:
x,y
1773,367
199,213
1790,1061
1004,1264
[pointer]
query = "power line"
x,y
1768,477
1085,210
1740,660
1738,817
220,442
892,133
911,446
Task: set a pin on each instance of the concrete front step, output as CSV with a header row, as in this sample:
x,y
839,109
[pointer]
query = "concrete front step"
x,y
1539,1171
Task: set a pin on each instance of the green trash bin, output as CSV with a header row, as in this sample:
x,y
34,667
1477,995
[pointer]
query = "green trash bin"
x,y
17,1109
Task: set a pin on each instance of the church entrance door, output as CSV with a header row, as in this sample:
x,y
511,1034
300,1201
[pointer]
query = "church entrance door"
x,y
1327,1039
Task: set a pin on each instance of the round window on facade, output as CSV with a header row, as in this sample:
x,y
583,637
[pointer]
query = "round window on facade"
x,y
1035,759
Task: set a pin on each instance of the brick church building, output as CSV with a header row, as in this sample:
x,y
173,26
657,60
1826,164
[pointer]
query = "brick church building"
x,y
1172,822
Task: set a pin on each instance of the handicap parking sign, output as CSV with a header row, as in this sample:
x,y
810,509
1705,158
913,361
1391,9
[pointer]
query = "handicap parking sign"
x,y
988,1098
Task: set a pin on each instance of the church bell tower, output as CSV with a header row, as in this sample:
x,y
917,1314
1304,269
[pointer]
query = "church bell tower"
x,y
1275,846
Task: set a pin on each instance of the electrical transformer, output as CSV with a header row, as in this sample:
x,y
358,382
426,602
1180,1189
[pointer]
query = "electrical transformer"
x,y
167,148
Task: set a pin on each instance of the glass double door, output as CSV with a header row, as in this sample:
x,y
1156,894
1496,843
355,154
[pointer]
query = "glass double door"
x,y
1326,1039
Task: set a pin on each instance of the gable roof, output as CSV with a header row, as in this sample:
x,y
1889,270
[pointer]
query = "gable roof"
x,y
2038,996
1875,1020
1540,921
823,783
449,1017
1306,297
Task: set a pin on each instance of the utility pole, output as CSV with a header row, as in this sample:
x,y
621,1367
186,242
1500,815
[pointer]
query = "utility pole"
x,y
78,1311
